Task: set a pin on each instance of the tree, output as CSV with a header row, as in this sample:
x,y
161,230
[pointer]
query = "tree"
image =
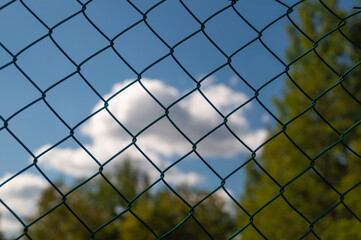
x,y
97,203
164,211
60,223
94,203
312,188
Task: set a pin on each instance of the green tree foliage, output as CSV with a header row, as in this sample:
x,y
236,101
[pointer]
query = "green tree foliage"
x,y
61,223
312,188
165,211
110,213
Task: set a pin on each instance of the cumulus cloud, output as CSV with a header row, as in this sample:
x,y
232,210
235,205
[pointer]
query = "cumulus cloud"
x,y
136,110
21,194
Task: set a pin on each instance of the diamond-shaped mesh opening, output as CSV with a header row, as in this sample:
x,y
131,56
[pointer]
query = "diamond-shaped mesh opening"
x,y
186,172
166,136
339,98
45,70
37,120
136,95
113,17
15,156
72,156
140,47
175,76
98,188
78,41
76,227
312,147
252,202
186,54
229,23
182,25
218,225
62,99
351,198
165,198
291,168
347,226
245,63
11,80
297,222
325,202
271,34
202,115
203,13
107,66
29,29
53,12
273,9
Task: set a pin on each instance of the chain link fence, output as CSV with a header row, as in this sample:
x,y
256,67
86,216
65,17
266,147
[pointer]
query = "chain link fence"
x,y
20,52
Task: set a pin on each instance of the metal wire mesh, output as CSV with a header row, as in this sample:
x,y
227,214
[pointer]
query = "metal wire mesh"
x,y
143,17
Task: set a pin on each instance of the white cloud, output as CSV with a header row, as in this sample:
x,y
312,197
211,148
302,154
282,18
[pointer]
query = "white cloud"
x,y
228,202
135,109
162,143
21,195
178,177
73,162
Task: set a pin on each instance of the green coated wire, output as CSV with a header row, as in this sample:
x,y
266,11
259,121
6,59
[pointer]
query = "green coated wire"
x,y
6,123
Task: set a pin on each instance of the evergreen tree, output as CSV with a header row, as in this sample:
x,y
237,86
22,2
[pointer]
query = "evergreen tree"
x,y
312,188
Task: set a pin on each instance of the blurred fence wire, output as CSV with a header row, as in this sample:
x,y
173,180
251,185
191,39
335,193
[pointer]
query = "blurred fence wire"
x,y
144,15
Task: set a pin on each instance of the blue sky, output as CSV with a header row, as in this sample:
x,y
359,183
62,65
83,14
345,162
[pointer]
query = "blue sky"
x,y
38,128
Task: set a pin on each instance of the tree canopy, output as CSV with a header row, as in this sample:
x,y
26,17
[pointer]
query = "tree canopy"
x,y
98,210
305,184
